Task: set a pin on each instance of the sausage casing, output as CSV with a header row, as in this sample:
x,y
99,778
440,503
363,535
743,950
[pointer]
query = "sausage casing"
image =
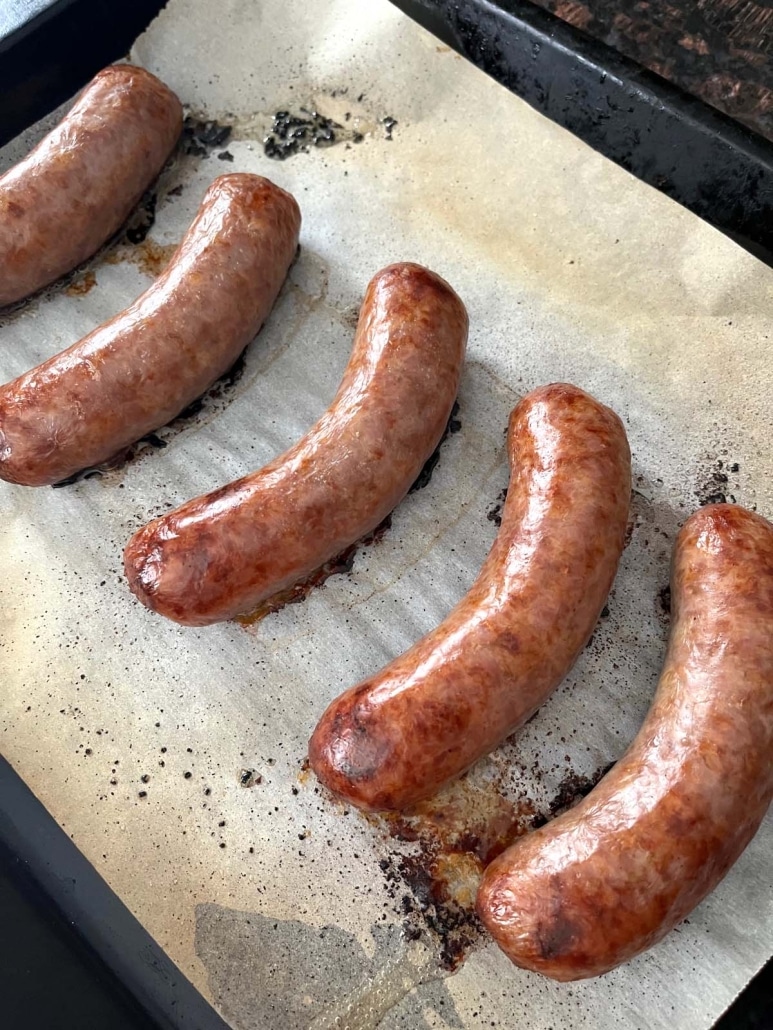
x,y
612,876
143,367
221,555
455,695
77,187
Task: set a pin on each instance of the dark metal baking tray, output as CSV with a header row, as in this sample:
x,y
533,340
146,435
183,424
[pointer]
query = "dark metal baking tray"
x,y
71,954
48,50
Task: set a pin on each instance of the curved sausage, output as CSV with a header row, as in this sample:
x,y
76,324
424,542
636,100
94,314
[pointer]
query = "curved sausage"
x,y
222,554
77,187
455,695
611,877
143,367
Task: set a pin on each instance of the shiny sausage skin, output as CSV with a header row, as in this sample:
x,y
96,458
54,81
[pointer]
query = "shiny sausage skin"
x,y
143,367
614,875
221,555
77,187
455,695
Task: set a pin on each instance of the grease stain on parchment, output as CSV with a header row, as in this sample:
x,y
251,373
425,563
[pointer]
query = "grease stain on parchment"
x,y
266,972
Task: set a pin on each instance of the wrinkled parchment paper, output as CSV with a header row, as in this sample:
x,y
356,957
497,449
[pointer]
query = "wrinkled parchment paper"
x,y
284,908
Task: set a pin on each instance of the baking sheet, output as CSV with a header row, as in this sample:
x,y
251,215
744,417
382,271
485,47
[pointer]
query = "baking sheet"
x,y
285,908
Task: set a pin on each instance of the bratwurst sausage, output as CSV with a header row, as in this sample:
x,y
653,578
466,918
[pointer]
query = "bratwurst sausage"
x,y
221,555
612,876
143,367
77,187
455,695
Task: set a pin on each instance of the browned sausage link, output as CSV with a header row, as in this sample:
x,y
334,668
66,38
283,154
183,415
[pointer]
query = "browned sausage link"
x,y
139,370
615,874
222,554
455,695
76,188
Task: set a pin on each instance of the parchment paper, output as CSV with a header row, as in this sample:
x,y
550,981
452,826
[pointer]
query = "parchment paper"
x,y
284,908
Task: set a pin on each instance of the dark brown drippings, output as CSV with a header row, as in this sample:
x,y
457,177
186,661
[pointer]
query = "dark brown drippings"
x,y
141,220
495,514
429,906
82,286
342,563
453,426
467,818
153,440
150,257
457,833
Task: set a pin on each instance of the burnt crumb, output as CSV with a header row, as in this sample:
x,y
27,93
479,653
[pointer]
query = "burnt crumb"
x,y
428,909
199,138
715,487
141,220
145,778
455,927
187,775
495,514
604,612
225,155
142,794
154,440
453,426
176,191
389,124
247,778
574,788
297,133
